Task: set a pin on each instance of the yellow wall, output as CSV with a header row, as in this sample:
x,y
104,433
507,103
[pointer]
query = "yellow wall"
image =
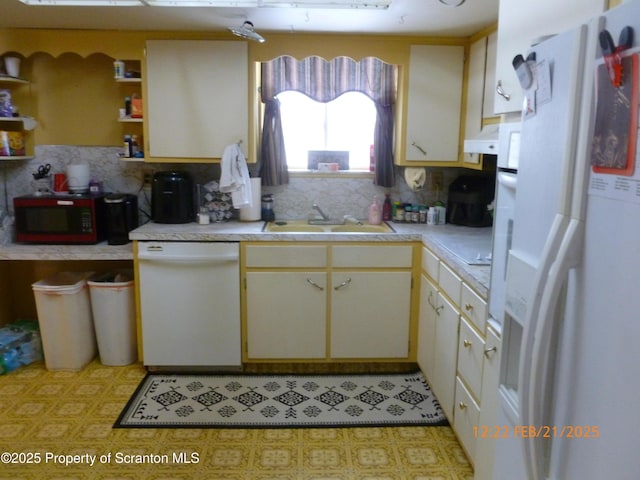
x,y
75,100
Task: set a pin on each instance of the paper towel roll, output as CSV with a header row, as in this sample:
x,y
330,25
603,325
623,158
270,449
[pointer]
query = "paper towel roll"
x,y
253,212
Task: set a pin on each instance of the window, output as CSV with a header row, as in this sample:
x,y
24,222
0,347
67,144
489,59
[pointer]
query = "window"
x,y
344,124
326,81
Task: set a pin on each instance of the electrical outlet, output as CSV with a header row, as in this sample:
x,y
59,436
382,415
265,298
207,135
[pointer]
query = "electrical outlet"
x,y
147,176
437,179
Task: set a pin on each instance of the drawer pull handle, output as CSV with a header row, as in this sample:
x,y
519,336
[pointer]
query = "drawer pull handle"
x,y
422,150
462,406
314,284
468,307
500,91
343,284
439,309
489,351
430,300
466,343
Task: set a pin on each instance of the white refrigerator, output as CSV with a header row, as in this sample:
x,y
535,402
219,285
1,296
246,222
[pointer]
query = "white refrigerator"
x,y
570,365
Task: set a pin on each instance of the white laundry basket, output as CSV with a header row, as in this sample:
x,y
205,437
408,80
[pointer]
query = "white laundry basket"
x,y
114,317
66,324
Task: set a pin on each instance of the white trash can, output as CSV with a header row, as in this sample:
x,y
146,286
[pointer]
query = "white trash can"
x,y
66,324
114,317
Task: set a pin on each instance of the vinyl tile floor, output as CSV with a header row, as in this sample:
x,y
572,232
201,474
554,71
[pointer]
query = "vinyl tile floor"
x,y
58,425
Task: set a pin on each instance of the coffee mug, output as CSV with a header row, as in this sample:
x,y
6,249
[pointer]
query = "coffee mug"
x,y
60,183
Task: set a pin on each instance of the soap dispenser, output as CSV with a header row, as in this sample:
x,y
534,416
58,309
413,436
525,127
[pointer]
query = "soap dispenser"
x,y
375,214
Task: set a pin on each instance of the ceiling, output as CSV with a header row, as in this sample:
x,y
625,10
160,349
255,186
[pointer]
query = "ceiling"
x,y
403,17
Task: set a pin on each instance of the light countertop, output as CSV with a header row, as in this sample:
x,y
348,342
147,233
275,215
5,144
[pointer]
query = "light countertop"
x,y
434,237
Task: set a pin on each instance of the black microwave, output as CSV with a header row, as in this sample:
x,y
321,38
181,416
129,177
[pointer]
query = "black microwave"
x,y
60,219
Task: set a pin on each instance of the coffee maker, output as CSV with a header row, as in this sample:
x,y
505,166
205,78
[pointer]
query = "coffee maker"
x,y
122,217
172,197
469,196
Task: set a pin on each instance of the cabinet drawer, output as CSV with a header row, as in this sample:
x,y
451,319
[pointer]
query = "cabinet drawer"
x,y
430,263
304,256
474,308
384,256
470,355
466,417
450,283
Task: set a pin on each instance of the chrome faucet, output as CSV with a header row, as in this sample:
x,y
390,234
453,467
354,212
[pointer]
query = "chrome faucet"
x,y
317,208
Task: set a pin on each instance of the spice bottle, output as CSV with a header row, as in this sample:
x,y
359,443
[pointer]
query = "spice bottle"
x,y
127,146
386,208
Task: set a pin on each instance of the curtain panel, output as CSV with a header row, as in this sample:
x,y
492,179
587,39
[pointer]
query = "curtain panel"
x,y
323,81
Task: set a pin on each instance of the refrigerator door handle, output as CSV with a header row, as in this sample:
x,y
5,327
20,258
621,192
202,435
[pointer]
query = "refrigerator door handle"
x,y
509,180
554,240
539,399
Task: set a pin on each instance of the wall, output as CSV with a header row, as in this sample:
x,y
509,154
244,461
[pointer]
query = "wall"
x,y
338,196
75,100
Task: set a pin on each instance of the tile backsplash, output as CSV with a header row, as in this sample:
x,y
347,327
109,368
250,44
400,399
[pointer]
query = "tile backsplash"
x,y
336,196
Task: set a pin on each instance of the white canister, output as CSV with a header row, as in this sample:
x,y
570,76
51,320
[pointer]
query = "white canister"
x,y
78,177
253,212
12,66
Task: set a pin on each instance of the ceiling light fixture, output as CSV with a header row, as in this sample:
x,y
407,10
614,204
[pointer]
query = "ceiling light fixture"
x,y
85,3
328,4
452,3
247,31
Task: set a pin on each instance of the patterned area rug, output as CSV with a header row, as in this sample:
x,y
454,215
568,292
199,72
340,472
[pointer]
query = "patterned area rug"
x,y
274,401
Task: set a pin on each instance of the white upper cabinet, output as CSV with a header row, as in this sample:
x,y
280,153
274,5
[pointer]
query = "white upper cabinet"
x,y
433,104
519,25
197,98
475,87
490,76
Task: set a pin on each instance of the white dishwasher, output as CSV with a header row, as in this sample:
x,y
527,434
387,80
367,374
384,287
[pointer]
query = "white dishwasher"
x,y
190,304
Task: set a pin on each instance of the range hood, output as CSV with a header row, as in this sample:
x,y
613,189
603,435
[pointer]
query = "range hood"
x,y
486,142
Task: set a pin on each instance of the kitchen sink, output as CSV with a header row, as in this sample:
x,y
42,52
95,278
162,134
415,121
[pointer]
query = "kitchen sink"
x,y
302,226
364,228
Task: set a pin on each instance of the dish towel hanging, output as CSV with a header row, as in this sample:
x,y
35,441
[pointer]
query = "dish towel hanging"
x,y
415,177
234,176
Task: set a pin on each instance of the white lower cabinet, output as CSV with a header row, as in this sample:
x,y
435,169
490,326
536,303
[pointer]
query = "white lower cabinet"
x,y
456,350
427,326
465,419
327,301
470,356
445,354
288,312
364,323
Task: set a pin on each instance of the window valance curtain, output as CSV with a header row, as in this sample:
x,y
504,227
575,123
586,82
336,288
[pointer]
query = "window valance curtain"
x,y
325,80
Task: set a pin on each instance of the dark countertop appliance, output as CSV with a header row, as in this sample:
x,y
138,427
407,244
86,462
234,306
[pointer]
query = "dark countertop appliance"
x,y
172,197
469,196
60,219
122,217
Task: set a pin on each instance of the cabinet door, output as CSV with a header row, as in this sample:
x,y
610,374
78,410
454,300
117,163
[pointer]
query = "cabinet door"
x,y
370,314
475,87
465,421
286,315
427,326
446,354
197,97
434,100
470,356
490,76
521,23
